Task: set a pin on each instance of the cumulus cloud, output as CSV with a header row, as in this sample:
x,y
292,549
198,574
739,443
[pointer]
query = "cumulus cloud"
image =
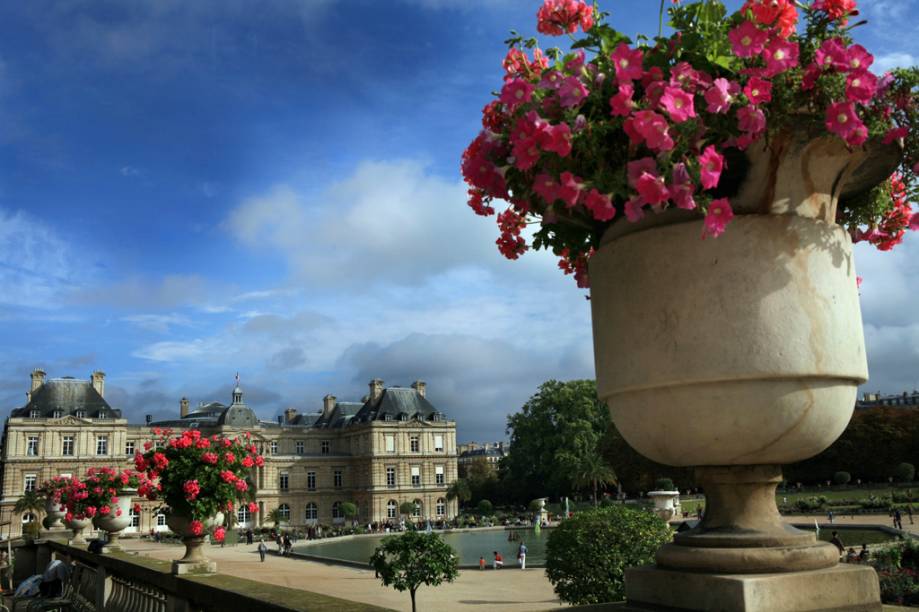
x,y
888,61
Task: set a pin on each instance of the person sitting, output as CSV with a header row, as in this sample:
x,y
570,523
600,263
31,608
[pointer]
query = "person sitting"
x,y
56,574
482,563
863,554
851,556
499,560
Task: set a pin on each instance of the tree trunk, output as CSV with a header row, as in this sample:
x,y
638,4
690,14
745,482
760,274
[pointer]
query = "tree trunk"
x,y
412,591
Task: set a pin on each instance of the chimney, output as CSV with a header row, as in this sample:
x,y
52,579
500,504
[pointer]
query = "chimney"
x,y
148,418
38,379
420,386
290,414
376,389
183,407
99,382
328,405
280,419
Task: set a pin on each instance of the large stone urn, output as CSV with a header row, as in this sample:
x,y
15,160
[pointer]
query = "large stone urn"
x,y
55,514
118,518
666,504
735,355
194,560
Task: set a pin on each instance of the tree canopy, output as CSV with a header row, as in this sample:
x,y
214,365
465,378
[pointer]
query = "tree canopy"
x,y
407,561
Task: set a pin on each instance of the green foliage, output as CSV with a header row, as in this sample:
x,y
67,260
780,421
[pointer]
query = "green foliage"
x,y
842,478
811,503
459,489
32,530
904,472
593,472
482,479
664,484
275,517
587,554
636,472
407,508
407,561
898,571
485,507
549,438
349,510
30,501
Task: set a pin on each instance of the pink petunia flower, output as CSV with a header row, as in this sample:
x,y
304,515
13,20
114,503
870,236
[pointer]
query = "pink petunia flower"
x,y
747,40
569,189
681,187
574,65
599,205
634,169
633,209
621,104
516,92
914,222
751,119
858,58
652,189
809,80
627,62
556,139
758,91
572,92
841,119
711,163
861,86
546,187
717,218
720,95
526,153
551,80
780,55
653,129
832,54
678,104
895,134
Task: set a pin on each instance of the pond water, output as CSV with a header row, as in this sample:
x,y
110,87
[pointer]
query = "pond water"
x,y
469,545
856,537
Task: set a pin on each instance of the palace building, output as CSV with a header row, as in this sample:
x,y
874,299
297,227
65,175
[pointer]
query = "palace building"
x,y
392,447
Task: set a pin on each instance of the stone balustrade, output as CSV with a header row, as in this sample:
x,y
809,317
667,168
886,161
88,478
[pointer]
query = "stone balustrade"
x,y
123,582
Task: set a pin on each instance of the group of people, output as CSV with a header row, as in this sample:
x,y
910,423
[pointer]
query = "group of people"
x,y
850,555
498,561
898,517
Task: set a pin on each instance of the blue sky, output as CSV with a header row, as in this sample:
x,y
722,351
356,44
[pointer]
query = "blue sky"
x,y
191,189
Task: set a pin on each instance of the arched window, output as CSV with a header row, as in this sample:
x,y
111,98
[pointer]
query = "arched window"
x,y
312,512
242,514
441,507
337,514
391,506
418,507
284,511
28,517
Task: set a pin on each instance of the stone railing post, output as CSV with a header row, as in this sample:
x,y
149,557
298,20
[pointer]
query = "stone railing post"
x,y
103,587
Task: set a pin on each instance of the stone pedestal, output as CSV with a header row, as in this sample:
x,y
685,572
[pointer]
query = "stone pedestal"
x,y
843,588
194,561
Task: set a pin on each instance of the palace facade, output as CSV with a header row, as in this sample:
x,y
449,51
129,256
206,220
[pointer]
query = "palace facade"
x,y
392,447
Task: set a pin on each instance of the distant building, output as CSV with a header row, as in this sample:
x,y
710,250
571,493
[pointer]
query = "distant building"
x,y
392,447
876,400
492,452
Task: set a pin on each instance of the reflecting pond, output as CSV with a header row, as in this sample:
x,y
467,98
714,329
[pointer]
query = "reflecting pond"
x,y
469,545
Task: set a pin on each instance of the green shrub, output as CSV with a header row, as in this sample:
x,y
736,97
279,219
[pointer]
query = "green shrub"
x,y
586,555
664,484
905,472
903,497
842,478
873,502
810,504
484,507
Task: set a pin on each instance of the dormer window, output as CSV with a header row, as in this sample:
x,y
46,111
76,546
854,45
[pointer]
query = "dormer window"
x,y
101,416
387,417
403,416
33,414
80,414
56,414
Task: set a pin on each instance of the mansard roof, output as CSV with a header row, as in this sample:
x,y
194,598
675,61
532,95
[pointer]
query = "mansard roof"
x,y
397,404
67,395
340,416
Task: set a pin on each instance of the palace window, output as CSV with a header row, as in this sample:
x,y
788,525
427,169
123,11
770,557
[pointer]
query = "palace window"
x,y
242,514
274,447
30,480
312,511
390,443
311,481
283,481
438,443
414,444
391,509
80,414
102,445
161,520
416,475
441,507
439,474
135,517
32,446
129,448
391,477
34,414
299,447
101,416
337,479
325,447
56,414
67,448
336,511
284,511
416,510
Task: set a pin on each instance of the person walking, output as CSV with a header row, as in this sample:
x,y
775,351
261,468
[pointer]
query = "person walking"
x,y
522,555
898,519
262,549
909,513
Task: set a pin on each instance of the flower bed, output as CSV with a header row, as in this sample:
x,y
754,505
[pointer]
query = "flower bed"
x,y
609,130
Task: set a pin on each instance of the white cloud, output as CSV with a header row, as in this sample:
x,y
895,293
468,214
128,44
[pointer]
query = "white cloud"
x,y
158,323
169,291
883,63
37,266
176,350
130,171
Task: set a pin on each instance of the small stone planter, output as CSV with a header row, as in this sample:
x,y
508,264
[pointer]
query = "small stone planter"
x,y
76,527
194,560
666,504
114,522
56,513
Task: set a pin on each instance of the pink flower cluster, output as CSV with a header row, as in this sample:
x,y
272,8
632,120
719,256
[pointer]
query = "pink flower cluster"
x,y
557,17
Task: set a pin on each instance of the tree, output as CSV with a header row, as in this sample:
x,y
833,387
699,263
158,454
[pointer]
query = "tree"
x,y
407,508
593,471
414,558
842,478
561,423
482,478
276,517
904,472
485,507
587,554
664,484
459,489
636,472
30,501
349,510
